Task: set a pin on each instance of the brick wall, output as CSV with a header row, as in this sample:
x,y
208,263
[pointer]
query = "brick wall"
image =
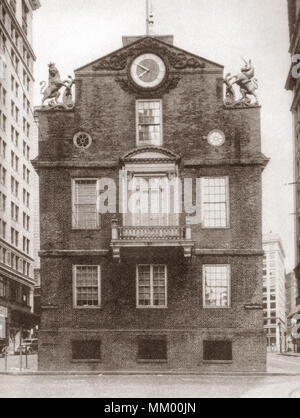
x,y
190,112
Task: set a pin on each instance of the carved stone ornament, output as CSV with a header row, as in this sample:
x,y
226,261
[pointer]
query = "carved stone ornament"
x,y
248,85
170,83
82,140
177,60
51,93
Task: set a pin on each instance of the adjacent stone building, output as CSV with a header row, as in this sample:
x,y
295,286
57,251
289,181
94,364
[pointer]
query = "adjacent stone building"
x,y
274,295
140,288
16,172
293,85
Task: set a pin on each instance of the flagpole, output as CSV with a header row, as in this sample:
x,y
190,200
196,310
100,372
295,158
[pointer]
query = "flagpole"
x,y
147,18
150,18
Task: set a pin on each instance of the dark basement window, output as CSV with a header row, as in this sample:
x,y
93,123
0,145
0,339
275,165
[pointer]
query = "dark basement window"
x,y
152,349
217,351
86,350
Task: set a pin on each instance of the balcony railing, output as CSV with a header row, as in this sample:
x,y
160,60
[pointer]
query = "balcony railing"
x,y
152,232
143,236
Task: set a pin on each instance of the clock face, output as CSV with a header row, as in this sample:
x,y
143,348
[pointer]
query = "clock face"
x,y
148,70
216,138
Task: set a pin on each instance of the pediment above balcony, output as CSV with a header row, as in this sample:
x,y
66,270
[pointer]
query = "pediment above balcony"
x,y
153,155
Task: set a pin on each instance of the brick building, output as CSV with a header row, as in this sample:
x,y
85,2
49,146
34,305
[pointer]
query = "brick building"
x,y
151,290
274,295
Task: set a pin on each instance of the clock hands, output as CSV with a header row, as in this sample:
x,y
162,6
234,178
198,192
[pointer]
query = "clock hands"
x,y
146,70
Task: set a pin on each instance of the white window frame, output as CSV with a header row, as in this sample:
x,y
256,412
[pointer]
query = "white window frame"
x,y
151,306
228,266
74,223
74,273
227,202
138,144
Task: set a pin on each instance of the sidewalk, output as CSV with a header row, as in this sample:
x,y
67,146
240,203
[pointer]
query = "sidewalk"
x,y
289,354
14,363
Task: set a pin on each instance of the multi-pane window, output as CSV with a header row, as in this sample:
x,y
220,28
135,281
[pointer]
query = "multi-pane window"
x,y
14,212
149,122
2,175
26,198
2,229
26,221
87,291
14,186
26,245
151,286
14,161
85,213
3,120
215,202
2,202
3,95
14,237
3,287
216,286
150,203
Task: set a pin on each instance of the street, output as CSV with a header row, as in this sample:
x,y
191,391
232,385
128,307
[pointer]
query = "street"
x,y
141,386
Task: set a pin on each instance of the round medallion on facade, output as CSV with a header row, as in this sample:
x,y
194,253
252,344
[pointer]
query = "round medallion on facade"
x,y
216,138
82,140
148,71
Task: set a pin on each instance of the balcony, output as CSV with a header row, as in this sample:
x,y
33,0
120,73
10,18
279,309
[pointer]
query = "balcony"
x,y
151,236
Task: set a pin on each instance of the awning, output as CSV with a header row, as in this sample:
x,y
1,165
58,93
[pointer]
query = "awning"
x,y
24,319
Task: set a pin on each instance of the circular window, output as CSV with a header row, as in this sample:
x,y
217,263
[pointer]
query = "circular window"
x,y
216,138
82,140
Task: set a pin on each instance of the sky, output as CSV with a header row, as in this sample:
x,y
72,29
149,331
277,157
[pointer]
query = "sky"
x,y
72,33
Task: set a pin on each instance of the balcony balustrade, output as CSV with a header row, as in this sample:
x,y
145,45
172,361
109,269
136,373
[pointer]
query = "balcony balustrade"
x,y
155,236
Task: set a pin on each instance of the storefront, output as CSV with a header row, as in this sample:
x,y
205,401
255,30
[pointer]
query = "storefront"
x,y
3,326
